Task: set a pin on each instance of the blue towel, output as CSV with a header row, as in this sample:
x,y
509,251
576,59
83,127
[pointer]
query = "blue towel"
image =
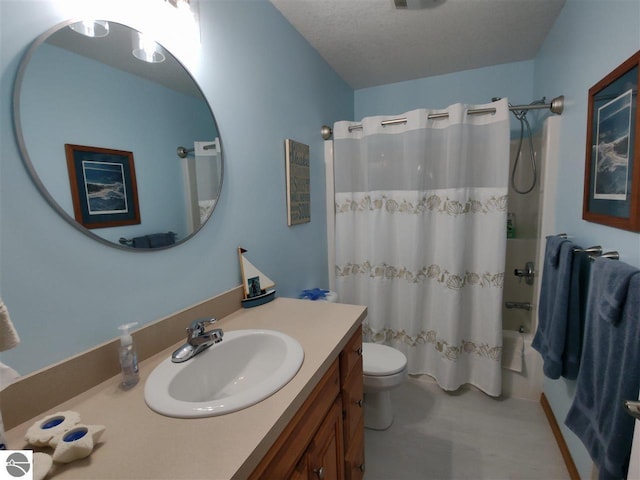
x,y
161,239
140,242
578,288
553,310
154,240
609,367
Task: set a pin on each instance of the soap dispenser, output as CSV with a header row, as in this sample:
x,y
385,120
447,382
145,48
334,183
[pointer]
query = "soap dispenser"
x,y
128,358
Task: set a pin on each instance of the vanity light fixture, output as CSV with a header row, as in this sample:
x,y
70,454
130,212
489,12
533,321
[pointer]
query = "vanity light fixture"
x,y
91,28
146,49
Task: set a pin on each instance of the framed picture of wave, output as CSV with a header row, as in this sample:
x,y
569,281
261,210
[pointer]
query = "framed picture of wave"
x,y
103,186
612,166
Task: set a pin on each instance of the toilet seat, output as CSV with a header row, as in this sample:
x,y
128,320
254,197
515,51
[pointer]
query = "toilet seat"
x,y
381,360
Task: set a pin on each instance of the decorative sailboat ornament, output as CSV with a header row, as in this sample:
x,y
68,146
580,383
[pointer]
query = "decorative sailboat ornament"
x,y
257,287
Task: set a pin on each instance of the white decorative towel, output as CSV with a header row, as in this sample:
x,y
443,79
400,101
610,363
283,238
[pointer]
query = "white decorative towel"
x,y
7,376
512,350
3,440
8,339
8,335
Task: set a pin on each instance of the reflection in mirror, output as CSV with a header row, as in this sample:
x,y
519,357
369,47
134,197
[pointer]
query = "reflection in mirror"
x,y
74,89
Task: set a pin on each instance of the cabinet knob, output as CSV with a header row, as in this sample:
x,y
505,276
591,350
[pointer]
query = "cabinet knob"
x,y
359,351
319,472
359,403
361,467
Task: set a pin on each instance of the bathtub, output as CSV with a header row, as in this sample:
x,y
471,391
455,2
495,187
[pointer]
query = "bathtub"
x,y
527,383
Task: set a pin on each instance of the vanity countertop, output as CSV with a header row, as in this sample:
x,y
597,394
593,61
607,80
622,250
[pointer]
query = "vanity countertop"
x,y
141,444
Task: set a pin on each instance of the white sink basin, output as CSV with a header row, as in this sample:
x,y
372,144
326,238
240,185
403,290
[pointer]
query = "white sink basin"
x,y
242,370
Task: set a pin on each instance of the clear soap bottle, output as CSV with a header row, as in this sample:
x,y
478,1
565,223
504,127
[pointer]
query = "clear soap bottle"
x,y
128,358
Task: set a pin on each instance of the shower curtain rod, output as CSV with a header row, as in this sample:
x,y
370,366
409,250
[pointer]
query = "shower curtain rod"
x,y
556,106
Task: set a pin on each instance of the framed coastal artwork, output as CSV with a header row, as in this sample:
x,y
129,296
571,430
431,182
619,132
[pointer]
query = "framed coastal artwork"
x,y
297,178
612,164
103,186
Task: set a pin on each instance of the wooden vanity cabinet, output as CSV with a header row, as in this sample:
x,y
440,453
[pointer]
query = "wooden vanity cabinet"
x,y
325,439
354,458
326,452
352,406
323,457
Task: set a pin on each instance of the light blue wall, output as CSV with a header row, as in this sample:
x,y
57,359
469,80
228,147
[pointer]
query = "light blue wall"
x,y
66,293
589,39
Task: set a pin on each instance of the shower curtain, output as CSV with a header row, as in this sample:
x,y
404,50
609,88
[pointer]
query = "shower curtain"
x,y
420,237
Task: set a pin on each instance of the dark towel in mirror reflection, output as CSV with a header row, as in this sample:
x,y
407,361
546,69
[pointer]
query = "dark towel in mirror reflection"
x,y
154,240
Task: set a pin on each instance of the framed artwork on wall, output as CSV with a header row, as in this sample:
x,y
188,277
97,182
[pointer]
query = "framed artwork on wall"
x,y
103,186
612,164
298,182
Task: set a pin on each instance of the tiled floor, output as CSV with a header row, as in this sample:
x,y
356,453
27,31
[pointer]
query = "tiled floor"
x,y
468,435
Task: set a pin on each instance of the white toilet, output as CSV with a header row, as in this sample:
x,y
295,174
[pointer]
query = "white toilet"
x,y
384,368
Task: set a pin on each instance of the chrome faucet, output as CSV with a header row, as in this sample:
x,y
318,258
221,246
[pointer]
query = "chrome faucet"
x,y
527,273
198,339
520,305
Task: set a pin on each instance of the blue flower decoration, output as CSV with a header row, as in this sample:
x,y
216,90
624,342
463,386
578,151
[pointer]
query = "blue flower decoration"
x,y
314,294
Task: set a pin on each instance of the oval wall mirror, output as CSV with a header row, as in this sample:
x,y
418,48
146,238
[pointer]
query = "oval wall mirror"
x,y
117,135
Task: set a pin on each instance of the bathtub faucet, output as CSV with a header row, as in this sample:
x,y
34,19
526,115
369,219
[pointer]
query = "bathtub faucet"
x,y
520,305
526,273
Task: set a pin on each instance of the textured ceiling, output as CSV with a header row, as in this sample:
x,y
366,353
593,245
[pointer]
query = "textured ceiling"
x,y
370,42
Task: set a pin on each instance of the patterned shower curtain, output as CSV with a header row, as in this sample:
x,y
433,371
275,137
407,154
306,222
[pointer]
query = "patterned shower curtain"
x,y
421,237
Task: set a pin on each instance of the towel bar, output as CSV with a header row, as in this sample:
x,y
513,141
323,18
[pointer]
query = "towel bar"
x,y
613,255
632,408
596,250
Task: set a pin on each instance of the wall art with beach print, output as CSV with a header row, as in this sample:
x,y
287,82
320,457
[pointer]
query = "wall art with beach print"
x,y
103,186
612,173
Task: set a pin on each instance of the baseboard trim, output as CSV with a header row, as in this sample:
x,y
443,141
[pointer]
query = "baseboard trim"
x,y
557,433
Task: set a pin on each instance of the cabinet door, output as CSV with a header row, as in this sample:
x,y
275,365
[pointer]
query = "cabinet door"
x,y
352,403
326,452
351,355
280,461
354,458
301,472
